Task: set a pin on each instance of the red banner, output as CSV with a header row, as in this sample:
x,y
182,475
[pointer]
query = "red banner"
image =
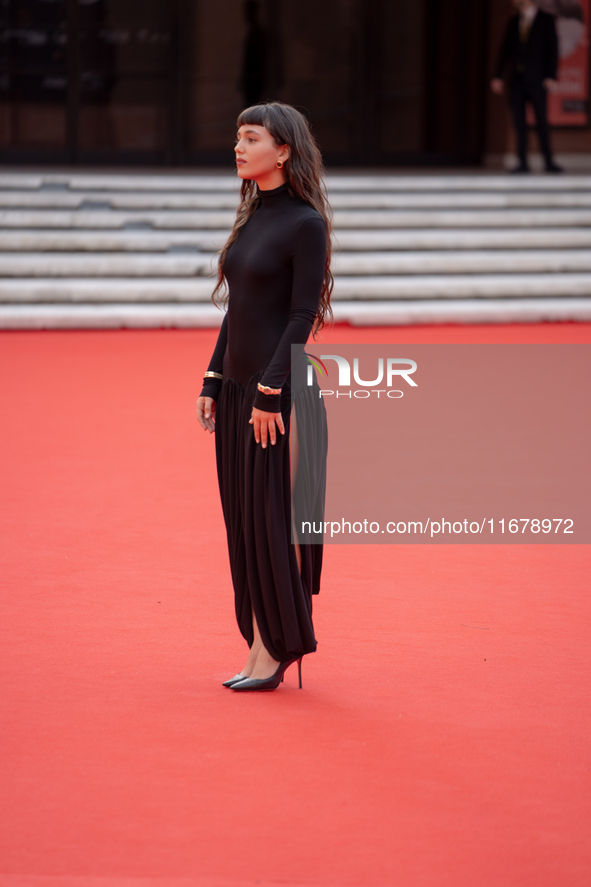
x,y
568,103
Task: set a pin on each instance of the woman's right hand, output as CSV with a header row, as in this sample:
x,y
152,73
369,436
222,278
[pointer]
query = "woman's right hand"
x,y
206,413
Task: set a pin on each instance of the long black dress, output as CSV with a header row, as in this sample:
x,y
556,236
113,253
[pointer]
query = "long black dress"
x,y
275,271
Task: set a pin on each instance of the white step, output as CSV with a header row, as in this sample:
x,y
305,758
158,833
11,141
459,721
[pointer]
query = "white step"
x,y
90,201
27,265
195,220
112,241
97,289
461,200
124,249
96,219
464,239
456,286
227,181
65,181
218,200
33,240
464,262
107,265
461,218
466,311
108,316
199,289
453,183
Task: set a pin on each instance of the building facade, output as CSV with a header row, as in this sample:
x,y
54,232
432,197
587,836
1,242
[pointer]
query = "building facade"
x,y
160,82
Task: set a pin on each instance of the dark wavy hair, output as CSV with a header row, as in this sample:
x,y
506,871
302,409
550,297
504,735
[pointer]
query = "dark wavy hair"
x,y
304,175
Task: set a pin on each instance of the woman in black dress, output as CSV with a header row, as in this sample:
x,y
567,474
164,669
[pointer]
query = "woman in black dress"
x,y
276,264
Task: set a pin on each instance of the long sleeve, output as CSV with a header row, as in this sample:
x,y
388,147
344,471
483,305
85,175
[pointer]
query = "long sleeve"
x,y
212,387
551,54
308,262
504,54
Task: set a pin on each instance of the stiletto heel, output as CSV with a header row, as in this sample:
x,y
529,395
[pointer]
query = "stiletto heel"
x,y
269,683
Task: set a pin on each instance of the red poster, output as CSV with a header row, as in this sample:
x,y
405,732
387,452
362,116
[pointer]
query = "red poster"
x,y
568,103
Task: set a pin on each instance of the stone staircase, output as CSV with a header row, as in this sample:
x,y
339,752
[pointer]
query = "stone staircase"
x,y
134,250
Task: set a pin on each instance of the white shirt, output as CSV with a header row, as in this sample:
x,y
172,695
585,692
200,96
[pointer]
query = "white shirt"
x,y
526,19
528,15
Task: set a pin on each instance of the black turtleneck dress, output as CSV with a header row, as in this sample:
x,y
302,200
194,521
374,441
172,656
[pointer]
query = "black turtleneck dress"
x,y
275,271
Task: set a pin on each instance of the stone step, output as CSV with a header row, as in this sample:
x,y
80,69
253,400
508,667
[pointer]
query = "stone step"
x,y
227,181
109,316
452,286
104,264
173,265
464,311
88,241
199,289
460,239
103,316
508,218
89,201
59,182
106,289
204,219
82,250
451,183
463,262
116,219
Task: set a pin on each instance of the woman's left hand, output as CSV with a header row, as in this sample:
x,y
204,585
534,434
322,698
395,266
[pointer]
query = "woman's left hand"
x,y
265,426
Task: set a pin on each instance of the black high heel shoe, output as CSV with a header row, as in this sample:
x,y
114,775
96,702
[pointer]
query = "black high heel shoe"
x,y
269,683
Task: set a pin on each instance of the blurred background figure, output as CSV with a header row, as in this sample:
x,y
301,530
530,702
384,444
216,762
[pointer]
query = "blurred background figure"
x,y
254,62
530,48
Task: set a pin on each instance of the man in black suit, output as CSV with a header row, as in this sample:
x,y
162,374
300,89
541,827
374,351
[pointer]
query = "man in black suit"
x,y
531,49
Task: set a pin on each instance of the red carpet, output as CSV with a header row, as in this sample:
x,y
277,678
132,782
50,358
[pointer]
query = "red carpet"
x,y
442,735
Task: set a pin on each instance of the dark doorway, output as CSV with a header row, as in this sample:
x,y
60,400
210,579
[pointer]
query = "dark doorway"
x,y
385,82
90,80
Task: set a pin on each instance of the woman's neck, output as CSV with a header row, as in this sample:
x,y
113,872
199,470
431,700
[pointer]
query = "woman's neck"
x,y
271,180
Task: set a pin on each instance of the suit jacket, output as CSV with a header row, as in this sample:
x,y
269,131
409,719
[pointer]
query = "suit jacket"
x,y
539,56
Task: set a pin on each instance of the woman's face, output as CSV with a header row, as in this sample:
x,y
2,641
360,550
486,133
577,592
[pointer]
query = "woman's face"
x,y
257,152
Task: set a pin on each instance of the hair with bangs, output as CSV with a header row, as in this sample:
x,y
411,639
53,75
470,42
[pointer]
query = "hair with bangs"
x,y
304,175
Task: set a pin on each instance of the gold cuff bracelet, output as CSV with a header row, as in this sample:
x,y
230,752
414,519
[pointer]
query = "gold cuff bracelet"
x,y
266,390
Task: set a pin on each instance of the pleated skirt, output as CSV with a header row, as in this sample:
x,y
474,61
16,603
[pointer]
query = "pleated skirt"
x,y
255,489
